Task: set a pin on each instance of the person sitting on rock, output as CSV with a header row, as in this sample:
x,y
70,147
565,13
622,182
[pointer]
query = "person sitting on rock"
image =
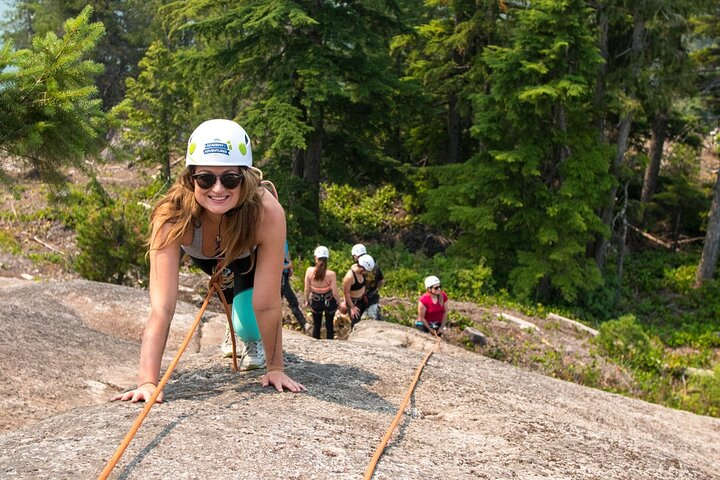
x,y
321,293
432,307
222,216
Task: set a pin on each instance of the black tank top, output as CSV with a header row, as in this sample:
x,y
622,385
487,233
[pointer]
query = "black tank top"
x,y
357,285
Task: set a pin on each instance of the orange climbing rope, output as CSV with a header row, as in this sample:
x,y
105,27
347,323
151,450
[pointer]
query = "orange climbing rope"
x,y
381,447
213,286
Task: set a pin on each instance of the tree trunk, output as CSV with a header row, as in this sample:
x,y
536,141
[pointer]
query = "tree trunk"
x,y
600,108
657,142
599,101
709,258
607,214
298,162
622,217
602,244
453,130
311,170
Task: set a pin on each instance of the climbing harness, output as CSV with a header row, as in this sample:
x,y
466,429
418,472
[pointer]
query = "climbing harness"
x,y
325,298
401,410
214,286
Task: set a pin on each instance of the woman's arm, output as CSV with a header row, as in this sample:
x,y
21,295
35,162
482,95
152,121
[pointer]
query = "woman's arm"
x,y
347,283
164,273
270,238
445,310
333,286
306,292
421,314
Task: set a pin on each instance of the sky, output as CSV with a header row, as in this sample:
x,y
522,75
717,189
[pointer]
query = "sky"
x,y
3,9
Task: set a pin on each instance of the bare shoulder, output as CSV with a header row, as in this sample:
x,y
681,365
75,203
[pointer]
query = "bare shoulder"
x,y
271,205
164,230
272,221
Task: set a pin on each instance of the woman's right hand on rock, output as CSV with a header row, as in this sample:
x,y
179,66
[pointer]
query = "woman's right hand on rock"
x,y
141,392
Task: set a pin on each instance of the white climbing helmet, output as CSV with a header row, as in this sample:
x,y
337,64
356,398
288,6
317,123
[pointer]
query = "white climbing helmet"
x,y
366,262
358,249
219,143
431,281
322,252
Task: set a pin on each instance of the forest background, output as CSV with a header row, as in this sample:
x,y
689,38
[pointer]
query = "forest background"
x,y
542,154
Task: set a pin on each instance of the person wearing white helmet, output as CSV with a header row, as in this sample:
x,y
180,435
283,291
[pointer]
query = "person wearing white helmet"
x,y
432,307
354,289
374,281
219,213
321,293
357,250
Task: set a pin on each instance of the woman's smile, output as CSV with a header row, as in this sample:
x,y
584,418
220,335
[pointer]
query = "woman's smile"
x,y
217,199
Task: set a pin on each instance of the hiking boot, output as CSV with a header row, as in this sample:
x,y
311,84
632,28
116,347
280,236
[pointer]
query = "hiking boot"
x,y
253,356
226,345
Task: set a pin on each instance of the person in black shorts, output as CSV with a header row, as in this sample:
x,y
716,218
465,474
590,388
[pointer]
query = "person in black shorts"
x,y
219,213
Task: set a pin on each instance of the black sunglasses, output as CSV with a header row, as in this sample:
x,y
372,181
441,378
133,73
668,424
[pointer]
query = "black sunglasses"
x,y
435,287
207,180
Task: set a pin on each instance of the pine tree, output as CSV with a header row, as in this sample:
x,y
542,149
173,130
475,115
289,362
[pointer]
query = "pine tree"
x,y
311,81
51,116
441,54
527,200
128,31
156,108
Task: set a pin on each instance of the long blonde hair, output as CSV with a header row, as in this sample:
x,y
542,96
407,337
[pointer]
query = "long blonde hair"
x,y
180,210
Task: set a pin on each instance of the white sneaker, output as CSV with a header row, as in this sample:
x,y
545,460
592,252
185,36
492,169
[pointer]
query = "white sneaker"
x,y
226,345
253,356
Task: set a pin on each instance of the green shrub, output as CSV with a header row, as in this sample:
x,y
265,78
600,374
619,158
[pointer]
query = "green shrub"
x,y
111,243
625,341
403,314
8,243
111,234
702,394
51,258
402,281
361,214
680,279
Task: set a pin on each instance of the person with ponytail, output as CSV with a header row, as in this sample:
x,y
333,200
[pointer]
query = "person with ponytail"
x,y
321,293
220,214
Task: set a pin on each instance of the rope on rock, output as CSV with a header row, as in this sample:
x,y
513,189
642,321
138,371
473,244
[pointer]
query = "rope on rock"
x,y
381,447
214,286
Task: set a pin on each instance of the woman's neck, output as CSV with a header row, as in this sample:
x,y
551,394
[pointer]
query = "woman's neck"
x,y
212,219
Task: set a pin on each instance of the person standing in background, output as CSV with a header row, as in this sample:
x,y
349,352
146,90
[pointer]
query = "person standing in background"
x,y
287,292
321,293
